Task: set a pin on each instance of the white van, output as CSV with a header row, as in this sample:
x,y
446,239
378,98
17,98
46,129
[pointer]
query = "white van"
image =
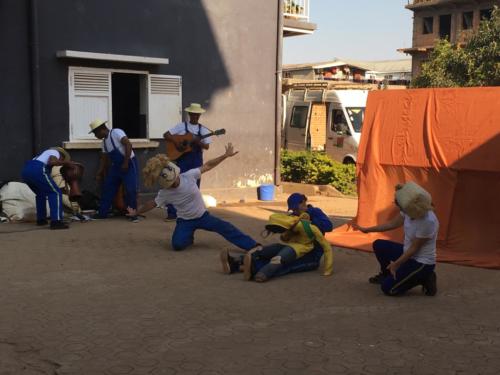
x,y
324,120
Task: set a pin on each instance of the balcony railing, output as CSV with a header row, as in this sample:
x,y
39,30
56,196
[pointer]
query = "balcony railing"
x,y
298,9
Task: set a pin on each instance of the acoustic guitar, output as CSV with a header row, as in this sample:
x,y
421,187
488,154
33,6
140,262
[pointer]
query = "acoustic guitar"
x,y
185,143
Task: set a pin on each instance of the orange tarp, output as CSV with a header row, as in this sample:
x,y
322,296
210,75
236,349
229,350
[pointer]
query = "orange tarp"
x,y
446,140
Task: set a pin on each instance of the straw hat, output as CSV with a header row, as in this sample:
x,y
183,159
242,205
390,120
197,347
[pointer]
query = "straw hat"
x,y
62,152
194,108
96,124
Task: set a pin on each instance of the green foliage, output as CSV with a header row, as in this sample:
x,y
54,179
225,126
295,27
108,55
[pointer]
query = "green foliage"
x,y
475,64
318,168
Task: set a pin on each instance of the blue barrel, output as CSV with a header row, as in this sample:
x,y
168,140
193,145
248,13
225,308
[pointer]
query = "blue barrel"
x,y
265,192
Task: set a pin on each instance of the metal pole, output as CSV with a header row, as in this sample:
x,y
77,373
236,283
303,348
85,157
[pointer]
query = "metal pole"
x,y
279,51
36,115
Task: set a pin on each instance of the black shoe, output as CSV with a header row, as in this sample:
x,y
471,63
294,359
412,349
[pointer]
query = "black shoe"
x,y
42,222
429,286
133,219
59,224
377,279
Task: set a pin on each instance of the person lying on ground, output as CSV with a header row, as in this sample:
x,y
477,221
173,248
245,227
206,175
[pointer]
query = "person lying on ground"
x,y
181,190
298,236
405,266
297,205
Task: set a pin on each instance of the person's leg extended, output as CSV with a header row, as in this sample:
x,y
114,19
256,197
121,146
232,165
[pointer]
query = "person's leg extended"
x,y
308,262
184,233
226,230
279,255
410,274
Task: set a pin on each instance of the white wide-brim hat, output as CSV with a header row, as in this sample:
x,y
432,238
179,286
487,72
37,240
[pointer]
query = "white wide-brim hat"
x,y
194,108
96,124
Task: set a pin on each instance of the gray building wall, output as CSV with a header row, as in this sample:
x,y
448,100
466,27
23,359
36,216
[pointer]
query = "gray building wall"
x,y
224,50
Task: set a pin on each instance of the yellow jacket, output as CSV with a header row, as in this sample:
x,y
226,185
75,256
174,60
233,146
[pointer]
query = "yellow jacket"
x,y
302,238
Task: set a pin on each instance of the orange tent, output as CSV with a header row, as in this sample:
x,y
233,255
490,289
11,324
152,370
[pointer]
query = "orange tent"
x,y
446,140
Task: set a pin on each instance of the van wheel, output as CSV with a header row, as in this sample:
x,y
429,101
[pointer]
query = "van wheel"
x,y
349,161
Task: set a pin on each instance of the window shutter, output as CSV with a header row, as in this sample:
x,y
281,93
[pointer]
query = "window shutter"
x,y
89,99
165,103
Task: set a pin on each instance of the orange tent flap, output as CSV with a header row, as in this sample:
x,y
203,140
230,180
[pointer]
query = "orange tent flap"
x,y
433,128
446,140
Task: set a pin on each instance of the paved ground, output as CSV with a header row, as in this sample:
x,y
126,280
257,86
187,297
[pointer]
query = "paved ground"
x,y
112,298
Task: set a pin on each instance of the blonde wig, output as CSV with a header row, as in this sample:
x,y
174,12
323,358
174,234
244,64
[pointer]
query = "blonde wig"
x,y
413,200
154,166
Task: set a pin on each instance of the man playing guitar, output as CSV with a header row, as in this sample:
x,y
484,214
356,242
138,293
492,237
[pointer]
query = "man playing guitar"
x,y
194,158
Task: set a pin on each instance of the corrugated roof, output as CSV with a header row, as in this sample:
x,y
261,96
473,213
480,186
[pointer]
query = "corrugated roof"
x,y
384,66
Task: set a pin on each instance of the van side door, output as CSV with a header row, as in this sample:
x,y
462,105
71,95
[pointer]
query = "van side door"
x,y
338,133
296,127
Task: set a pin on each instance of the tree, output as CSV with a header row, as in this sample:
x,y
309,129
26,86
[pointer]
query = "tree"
x,y
477,63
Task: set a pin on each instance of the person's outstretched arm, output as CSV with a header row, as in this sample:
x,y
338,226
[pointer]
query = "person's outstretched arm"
x,y
393,224
215,162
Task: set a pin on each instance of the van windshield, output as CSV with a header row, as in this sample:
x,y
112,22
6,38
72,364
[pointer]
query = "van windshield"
x,y
356,115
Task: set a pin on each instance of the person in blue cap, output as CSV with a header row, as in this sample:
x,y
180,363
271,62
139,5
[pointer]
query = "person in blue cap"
x,y
37,175
297,205
192,159
116,147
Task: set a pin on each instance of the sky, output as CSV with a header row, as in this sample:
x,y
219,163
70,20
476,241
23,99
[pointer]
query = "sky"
x,y
354,29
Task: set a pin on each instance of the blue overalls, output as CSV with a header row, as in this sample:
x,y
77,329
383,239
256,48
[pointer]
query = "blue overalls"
x,y
115,177
187,161
37,176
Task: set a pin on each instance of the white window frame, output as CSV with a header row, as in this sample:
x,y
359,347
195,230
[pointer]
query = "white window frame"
x,y
84,142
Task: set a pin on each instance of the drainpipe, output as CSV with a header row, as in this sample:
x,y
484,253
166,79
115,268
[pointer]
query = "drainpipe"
x,y
36,115
277,135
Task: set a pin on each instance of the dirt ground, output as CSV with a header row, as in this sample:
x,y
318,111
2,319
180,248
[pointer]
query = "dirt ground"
x,y
111,297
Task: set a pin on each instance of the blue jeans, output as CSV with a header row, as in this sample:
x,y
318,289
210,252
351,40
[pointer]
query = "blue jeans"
x,y
184,232
409,275
37,177
308,262
286,254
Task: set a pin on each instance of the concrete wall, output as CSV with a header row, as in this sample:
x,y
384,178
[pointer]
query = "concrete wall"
x,y
224,50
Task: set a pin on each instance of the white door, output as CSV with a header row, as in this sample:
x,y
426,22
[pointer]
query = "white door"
x,y
89,99
165,104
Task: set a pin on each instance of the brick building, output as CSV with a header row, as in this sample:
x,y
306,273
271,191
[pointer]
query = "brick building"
x,y
443,19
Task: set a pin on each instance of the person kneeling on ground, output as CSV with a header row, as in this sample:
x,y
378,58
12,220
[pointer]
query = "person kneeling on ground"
x,y
181,190
298,236
405,266
297,204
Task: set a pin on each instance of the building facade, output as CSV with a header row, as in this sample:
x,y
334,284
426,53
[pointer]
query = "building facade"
x,y
137,64
454,20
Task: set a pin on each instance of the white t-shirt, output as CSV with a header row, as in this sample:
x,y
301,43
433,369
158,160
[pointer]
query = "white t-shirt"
x,y
425,227
117,135
45,156
180,129
186,197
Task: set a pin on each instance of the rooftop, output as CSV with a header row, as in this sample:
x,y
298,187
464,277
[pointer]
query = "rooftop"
x,y
401,65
